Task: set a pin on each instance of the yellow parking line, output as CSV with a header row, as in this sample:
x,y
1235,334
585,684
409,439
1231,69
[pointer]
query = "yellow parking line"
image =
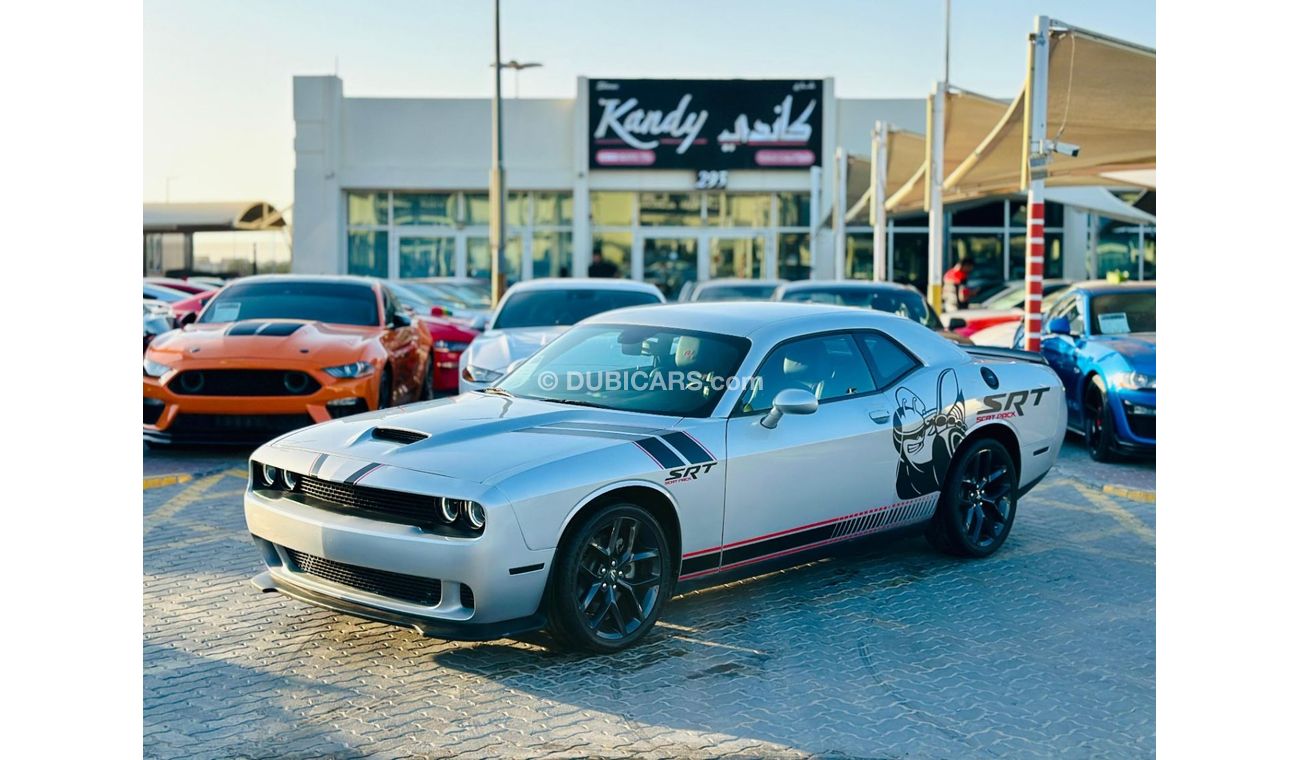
x,y
159,481
1121,515
191,494
1136,494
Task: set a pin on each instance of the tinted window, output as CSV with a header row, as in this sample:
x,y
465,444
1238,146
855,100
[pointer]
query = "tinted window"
x,y
904,303
544,308
888,360
829,367
1123,313
633,368
338,303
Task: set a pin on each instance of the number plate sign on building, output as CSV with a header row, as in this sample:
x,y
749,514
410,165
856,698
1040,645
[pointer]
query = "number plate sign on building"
x,y
704,124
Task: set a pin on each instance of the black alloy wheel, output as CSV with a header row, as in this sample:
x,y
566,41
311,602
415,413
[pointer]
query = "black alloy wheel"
x,y
611,579
978,503
1099,429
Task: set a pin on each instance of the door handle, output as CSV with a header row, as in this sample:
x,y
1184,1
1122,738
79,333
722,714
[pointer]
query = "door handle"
x,y
880,415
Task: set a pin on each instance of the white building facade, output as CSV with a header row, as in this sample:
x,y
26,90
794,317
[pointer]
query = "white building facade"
x,y
670,181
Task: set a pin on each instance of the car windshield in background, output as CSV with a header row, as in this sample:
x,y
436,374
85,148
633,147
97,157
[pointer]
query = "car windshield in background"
x,y
735,292
547,308
1008,298
337,303
632,368
458,295
904,303
1123,313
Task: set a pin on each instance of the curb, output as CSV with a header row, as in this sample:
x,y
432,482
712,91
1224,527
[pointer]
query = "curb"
x,y
1136,494
161,481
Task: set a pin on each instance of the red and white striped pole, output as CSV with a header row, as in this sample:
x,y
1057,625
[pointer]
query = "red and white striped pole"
x,y
1034,179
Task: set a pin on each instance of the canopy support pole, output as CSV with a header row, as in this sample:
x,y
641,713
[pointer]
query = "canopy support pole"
x,y
1037,156
841,198
934,135
879,220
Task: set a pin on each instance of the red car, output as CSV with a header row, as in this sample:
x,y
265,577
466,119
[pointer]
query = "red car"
x,y
1007,305
187,310
450,337
184,286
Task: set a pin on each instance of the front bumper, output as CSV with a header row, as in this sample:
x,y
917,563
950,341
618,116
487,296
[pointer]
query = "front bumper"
x,y
505,578
1134,418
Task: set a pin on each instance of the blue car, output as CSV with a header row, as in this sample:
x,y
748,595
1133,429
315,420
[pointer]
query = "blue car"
x,y
1100,337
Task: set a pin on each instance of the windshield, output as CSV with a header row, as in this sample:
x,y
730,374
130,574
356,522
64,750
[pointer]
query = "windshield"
x,y
410,297
1123,313
734,292
456,295
1012,297
547,308
904,303
632,368
339,303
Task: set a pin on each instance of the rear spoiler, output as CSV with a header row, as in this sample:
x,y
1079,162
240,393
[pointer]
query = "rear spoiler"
x,y
1012,354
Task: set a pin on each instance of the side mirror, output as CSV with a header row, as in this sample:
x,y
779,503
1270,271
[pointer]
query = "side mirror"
x,y
789,401
956,322
1058,326
438,311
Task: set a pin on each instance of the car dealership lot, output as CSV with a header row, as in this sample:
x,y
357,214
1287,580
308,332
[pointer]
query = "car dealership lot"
x,y
1046,648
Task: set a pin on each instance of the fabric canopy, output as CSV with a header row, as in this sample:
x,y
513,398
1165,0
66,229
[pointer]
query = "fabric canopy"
x,y
968,118
904,150
211,217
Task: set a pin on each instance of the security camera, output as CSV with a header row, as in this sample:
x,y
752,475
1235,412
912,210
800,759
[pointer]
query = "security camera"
x,y
1064,148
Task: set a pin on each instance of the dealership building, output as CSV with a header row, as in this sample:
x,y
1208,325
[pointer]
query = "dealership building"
x,y
669,180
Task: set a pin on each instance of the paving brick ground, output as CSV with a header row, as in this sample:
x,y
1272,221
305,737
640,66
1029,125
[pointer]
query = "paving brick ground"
x,y
1046,649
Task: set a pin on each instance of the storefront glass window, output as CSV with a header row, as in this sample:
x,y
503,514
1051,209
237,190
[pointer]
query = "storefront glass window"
x,y
985,250
1149,267
616,248
612,209
424,208
670,263
739,210
1117,248
478,211
1053,261
859,259
793,256
553,254
736,257
670,209
426,256
911,258
478,262
552,208
368,209
1053,214
793,209
368,253
983,215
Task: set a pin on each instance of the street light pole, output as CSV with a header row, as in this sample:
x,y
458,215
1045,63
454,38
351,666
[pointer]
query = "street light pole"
x,y
497,182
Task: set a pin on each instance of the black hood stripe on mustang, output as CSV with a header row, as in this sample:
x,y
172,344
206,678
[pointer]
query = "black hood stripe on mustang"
x,y
270,329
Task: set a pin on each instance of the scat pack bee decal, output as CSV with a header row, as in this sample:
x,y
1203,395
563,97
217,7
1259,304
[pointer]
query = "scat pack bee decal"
x,y
926,436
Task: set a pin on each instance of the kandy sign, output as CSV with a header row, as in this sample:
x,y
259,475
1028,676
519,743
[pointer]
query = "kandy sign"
x,y
704,124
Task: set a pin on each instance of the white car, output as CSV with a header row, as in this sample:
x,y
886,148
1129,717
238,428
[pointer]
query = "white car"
x,y
732,289
535,312
582,507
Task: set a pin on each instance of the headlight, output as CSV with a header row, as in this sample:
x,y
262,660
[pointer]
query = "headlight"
x,y
355,369
270,474
481,374
476,515
155,369
453,346
1135,381
450,509
290,481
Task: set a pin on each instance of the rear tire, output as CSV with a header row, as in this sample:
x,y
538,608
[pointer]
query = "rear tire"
x,y
978,503
611,578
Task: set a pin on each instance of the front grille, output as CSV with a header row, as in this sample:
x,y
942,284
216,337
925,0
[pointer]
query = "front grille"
x,y
251,424
243,382
153,409
426,592
466,596
1142,425
374,503
397,435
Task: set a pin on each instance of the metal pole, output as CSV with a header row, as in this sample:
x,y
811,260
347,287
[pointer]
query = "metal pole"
x,y
497,181
814,209
934,192
841,198
879,222
1036,159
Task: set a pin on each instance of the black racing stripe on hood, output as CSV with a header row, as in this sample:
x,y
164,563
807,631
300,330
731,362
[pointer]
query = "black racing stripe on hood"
x,y
280,329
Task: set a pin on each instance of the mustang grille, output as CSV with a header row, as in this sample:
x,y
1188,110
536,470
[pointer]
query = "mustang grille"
x,y
426,592
243,382
374,503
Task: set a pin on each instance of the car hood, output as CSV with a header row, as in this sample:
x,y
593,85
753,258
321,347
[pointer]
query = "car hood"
x,y
1139,349
496,349
263,339
478,437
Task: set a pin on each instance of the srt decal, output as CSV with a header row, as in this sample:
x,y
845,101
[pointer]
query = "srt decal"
x,y
1001,406
688,473
927,437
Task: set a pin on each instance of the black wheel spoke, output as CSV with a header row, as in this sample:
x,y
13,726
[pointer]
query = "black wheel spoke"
x,y
995,476
618,615
641,556
585,604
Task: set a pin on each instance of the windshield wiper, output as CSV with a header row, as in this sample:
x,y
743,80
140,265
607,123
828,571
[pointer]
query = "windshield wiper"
x,y
575,402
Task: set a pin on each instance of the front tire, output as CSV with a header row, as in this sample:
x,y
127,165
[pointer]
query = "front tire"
x,y
426,387
611,578
978,503
1099,425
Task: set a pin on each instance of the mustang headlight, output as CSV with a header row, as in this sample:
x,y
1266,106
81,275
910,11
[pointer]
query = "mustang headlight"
x,y
452,346
1135,381
155,369
355,369
481,374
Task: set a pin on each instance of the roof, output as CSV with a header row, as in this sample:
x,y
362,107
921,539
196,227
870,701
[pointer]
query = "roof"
x,y
583,283
728,318
211,217
734,281
343,278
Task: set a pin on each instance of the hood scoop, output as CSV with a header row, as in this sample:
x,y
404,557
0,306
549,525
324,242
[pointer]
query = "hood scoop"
x,y
272,329
397,435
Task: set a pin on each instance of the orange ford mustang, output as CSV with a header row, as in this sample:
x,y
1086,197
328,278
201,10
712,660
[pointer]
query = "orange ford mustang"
x,y
274,353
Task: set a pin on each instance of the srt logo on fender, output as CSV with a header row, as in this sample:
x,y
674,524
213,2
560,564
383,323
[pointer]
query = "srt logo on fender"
x,y
1004,405
692,472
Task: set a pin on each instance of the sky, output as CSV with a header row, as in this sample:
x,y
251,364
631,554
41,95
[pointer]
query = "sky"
x,y
218,111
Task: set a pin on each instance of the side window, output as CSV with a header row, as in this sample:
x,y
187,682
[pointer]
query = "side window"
x,y
1071,309
390,306
887,359
830,367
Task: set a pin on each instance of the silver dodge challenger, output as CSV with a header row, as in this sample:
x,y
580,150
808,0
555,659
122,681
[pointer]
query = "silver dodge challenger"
x,y
645,451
